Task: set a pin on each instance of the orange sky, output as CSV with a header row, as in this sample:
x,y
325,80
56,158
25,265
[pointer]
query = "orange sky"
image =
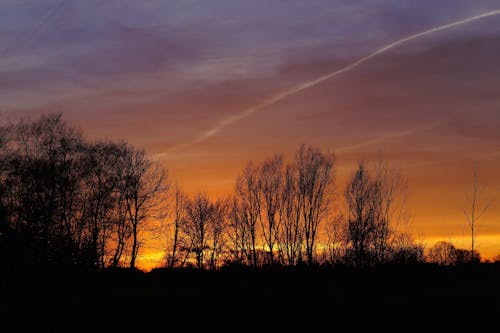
x,y
160,74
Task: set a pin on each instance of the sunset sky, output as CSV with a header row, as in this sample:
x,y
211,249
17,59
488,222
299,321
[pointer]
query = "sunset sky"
x,y
171,76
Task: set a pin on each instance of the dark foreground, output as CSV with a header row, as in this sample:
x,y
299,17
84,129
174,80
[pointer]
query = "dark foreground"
x,y
405,298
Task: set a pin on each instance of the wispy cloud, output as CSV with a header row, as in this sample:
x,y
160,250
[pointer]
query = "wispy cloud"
x,y
389,136
225,122
31,33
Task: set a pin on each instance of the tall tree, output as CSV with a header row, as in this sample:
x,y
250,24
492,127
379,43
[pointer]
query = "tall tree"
x,y
199,212
179,215
271,187
315,172
360,196
247,210
478,207
290,233
217,227
390,200
145,186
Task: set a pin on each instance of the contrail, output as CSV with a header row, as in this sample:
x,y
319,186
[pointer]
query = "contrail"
x,y
389,136
34,30
308,84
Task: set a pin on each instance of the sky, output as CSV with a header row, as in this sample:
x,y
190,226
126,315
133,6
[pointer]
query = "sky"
x,y
182,79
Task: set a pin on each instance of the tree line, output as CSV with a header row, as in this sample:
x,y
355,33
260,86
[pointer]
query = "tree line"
x,y
66,200
289,214
69,201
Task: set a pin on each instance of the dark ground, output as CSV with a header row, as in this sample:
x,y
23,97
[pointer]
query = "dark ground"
x,y
336,299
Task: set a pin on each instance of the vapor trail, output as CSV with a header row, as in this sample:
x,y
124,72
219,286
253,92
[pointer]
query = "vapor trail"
x,y
308,84
389,136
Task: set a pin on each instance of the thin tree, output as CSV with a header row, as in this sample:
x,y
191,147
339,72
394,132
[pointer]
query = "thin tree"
x,y
390,195
199,211
315,171
478,207
238,235
146,183
271,186
179,214
248,209
290,233
217,228
360,196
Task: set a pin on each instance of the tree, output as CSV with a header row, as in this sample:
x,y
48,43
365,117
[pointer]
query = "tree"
x,y
271,187
315,173
443,253
478,206
464,256
217,228
145,187
103,208
238,233
360,196
246,214
404,250
390,196
179,215
376,208
290,233
117,159
44,174
71,201
199,212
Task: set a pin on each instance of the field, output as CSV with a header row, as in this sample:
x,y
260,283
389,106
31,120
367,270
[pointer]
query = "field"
x,y
259,300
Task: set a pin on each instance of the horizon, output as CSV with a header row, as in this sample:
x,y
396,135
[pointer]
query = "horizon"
x,y
207,87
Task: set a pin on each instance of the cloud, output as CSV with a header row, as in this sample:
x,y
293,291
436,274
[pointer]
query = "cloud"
x,y
278,97
389,136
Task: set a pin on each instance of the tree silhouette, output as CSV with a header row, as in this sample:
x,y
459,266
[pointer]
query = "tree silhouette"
x,y
199,212
180,201
314,175
72,201
290,234
271,188
246,213
443,253
390,197
146,184
218,225
478,207
375,201
360,195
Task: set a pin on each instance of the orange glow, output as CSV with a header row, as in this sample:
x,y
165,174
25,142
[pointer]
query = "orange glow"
x,y
164,75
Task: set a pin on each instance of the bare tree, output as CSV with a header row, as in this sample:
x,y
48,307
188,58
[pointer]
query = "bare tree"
x,y
146,183
74,201
246,212
240,240
179,215
376,211
271,186
390,196
360,196
335,240
315,172
478,207
121,226
290,233
199,211
404,249
101,185
217,227
443,253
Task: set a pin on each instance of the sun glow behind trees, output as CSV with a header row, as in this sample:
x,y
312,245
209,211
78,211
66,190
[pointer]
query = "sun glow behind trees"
x,y
101,204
